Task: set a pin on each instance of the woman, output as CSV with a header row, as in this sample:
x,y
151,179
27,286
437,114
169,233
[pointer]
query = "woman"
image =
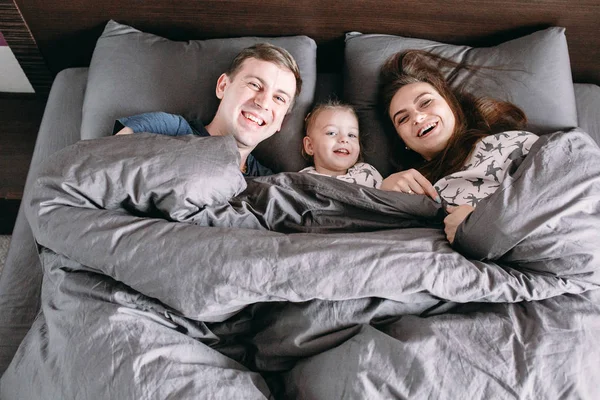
x,y
465,144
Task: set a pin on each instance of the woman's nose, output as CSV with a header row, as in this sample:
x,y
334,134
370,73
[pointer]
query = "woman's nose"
x,y
419,117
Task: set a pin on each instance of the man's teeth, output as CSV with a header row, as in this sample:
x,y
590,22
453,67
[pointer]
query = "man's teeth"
x,y
427,128
254,119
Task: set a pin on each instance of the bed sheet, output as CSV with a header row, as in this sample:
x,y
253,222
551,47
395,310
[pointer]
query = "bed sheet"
x,y
20,283
163,289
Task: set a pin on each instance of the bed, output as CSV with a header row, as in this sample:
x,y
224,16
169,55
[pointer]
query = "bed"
x,y
147,267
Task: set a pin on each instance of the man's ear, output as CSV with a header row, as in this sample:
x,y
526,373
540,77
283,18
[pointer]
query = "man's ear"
x,y
222,83
308,147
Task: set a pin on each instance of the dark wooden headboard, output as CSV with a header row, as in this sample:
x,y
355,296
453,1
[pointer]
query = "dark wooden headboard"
x,y
66,31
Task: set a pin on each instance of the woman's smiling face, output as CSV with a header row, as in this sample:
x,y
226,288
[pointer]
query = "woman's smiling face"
x,y
422,118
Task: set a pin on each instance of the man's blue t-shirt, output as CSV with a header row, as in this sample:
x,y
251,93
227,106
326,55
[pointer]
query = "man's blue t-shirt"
x,y
175,125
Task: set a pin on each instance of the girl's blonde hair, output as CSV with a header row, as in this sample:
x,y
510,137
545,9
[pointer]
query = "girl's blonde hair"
x,y
311,118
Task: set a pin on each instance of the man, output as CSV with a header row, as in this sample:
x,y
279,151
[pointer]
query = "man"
x,y
256,93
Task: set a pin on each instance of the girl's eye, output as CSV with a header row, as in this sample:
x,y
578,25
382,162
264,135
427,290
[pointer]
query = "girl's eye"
x,y
353,135
330,133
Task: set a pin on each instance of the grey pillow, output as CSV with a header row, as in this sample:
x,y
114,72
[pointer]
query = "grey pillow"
x,y
587,96
533,72
133,72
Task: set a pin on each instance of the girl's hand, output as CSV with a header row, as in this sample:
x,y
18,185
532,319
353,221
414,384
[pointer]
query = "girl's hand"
x,y
456,215
410,181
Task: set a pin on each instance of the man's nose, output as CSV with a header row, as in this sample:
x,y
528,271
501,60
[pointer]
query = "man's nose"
x,y
262,100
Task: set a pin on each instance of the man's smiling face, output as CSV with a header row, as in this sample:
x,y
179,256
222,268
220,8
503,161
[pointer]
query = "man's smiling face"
x,y
254,102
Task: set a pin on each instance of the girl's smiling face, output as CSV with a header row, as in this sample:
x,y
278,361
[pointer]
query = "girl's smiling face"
x,y
422,118
333,142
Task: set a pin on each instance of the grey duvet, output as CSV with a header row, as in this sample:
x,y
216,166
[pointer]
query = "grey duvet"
x,y
167,275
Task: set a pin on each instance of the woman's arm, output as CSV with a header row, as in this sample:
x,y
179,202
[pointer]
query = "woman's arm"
x,y
456,216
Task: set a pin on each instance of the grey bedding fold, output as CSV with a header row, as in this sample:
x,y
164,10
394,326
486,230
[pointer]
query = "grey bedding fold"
x,y
166,274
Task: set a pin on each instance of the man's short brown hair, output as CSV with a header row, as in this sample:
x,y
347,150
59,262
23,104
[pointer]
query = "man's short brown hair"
x,y
270,53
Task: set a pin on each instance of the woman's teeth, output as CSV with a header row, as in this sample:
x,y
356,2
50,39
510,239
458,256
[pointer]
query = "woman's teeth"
x,y
426,129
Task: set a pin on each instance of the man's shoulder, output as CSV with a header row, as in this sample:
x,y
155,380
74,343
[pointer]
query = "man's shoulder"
x,y
198,128
255,168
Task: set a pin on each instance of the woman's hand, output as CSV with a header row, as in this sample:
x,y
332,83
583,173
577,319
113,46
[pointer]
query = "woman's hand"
x,y
456,215
410,181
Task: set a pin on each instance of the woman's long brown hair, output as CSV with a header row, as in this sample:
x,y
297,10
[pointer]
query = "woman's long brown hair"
x,y
475,117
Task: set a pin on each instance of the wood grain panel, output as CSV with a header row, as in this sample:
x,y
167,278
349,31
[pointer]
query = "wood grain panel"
x,y
66,31
23,46
21,115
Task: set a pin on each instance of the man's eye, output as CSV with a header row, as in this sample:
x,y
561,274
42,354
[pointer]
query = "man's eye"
x,y
254,85
281,99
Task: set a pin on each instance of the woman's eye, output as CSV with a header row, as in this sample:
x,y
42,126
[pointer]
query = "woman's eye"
x,y
401,120
426,102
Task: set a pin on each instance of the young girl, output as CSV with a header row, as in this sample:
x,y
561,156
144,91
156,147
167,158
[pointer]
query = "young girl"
x,y
333,143
465,144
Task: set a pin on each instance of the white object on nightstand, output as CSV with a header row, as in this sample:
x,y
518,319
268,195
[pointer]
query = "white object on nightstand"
x,y
12,77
